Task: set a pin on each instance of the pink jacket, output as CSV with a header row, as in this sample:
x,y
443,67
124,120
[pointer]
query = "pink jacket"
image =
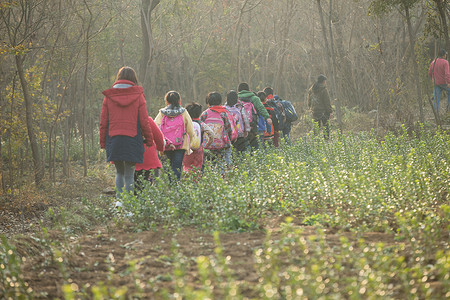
x,y
151,159
441,71
120,111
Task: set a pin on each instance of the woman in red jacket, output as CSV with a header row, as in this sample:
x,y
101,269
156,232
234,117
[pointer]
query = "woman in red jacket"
x,y
123,124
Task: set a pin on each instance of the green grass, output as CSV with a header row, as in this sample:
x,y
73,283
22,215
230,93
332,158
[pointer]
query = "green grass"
x,y
353,183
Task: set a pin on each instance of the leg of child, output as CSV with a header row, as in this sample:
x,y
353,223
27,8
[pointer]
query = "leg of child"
x,y
120,177
228,156
276,136
176,161
129,168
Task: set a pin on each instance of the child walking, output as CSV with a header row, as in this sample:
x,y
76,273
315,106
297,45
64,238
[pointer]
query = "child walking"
x,y
218,118
194,161
176,125
269,133
149,169
241,118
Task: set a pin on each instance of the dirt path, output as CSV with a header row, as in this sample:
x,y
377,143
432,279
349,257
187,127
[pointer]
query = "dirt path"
x,y
97,254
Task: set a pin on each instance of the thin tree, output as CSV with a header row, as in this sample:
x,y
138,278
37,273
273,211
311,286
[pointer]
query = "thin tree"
x,y
329,55
22,20
147,7
384,6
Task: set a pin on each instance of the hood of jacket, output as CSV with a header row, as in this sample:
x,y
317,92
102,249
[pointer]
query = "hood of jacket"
x,y
124,96
171,111
218,108
246,94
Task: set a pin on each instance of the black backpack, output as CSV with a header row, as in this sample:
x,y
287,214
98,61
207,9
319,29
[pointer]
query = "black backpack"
x,y
279,112
289,110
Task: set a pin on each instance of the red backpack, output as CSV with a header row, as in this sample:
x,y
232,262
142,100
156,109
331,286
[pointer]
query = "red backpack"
x,y
174,130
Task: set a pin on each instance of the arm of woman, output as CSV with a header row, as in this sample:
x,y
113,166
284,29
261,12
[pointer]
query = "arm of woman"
x,y
104,116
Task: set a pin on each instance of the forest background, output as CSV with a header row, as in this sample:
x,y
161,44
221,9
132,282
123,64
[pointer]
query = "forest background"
x,y
56,56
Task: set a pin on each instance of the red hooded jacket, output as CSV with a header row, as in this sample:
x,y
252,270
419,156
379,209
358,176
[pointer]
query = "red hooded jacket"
x,y
151,159
120,111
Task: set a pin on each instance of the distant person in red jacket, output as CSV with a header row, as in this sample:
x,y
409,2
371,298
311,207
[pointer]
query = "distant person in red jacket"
x,y
124,128
439,72
149,169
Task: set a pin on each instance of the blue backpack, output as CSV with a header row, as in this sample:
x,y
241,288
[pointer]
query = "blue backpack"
x,y
289,110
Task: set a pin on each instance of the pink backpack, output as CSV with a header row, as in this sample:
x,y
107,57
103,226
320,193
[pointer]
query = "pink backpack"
x,y
250,109
237,117
220,137
174,130
234,132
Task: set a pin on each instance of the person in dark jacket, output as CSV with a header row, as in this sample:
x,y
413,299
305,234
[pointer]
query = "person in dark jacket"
x,y
319,103
123,126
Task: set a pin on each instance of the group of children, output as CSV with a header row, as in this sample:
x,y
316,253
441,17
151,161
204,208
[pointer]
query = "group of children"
x,y
246,122
135,142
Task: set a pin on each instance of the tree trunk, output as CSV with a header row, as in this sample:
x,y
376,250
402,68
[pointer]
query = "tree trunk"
x,y
329,62
85,88
147,6
442,6
412,42
37,163
2,181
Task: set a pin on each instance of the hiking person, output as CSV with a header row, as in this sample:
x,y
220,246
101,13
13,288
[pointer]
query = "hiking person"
x,y
194,161
123,127
319,103
149,169
439,72
241,118
218,118
246,96
176,125
269,132
278,115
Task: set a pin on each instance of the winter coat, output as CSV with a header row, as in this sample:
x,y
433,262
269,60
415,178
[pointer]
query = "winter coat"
x,y
170,111
441,71
319,100
124,122
256,103
151,159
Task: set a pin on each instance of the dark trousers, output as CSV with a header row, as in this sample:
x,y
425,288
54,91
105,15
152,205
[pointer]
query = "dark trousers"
x,y
176,162
253,140
322,120
240,144
276,137
142,176
287,132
